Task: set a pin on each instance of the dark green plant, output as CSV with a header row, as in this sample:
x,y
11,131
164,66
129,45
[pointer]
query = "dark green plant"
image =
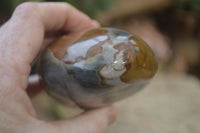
x,y
8,6
90,7
187,6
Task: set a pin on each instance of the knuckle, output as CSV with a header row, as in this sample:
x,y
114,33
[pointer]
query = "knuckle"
x,y
26,9
96,129
26,6
67,5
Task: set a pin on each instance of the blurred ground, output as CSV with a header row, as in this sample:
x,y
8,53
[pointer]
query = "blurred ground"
x,y
169,104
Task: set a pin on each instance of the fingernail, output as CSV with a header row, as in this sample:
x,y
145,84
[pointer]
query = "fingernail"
x,y
95,23
112,114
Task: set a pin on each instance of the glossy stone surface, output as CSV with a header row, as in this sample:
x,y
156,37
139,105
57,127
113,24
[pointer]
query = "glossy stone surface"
x,y
97,67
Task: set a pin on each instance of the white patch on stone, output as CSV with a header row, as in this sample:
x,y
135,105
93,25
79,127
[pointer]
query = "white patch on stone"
x,y
101,38
80,49
108,53
119,63
137,49
133,42
108,71
117,39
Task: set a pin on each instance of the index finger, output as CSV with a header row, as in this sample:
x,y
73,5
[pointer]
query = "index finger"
x,y
56,16
22,36
31,20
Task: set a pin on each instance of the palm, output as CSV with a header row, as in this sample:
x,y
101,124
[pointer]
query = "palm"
x,y
20,42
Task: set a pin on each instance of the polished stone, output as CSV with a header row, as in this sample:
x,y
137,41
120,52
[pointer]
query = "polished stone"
x,y
97,67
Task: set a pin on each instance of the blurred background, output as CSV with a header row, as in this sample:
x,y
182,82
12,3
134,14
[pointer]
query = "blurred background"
x,y
171,102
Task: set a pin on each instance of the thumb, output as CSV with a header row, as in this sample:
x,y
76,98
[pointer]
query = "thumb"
x,y
94,121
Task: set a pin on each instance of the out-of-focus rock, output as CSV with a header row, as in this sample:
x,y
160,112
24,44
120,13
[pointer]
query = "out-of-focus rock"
x,y
186,54
145,29
169,104
179,65
124,8
175,25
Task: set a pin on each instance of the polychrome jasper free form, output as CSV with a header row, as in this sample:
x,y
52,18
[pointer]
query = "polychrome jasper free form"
x,y
97,67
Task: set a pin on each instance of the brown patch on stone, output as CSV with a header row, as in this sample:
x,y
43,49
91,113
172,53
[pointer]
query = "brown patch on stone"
x,y
96,49
141,64
59,47
128,53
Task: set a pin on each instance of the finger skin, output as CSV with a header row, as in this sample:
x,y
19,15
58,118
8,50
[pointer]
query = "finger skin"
x,y
20,40
95,121
25,32
46,17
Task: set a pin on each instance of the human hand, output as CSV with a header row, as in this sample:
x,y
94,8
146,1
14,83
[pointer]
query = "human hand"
x,y
21,38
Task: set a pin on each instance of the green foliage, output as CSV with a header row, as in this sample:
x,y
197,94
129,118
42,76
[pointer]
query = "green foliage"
x,y
8,6
185,6
90,7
